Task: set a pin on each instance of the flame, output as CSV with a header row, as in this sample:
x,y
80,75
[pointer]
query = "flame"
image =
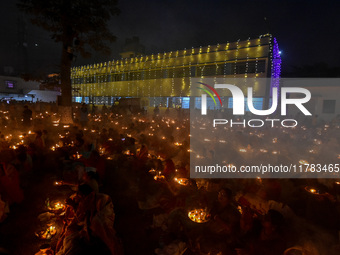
x,y
159,177
182,181
303,162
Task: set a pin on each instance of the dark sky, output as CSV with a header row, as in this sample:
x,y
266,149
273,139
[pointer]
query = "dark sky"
x,y
307,30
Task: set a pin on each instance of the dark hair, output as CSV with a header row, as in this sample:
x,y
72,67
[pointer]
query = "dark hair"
x,y
92,175
228,192
275,217
85,189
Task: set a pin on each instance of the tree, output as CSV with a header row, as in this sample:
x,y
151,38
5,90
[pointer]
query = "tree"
x,y
77,24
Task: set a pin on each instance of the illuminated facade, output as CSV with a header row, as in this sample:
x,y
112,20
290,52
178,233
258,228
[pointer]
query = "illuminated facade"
x,y
165,77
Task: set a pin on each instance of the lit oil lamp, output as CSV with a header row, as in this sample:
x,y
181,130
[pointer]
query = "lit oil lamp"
x,y
263,150
318,142
101,150
56,206
239,208
303,162
47,234
259,180
159,176
242,150
152,171
59,183
182,181
159,157
313,191
199,215
275,140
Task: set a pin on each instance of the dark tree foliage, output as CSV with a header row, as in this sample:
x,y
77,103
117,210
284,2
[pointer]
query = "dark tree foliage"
x,y
76,24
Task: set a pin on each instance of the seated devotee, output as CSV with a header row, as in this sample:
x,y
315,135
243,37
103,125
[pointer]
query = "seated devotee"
x,y
103,137
23,161
225,223
38,141
26,116
270,237
143,152
89,229
169,169
220,232
91,178
46,139
98,162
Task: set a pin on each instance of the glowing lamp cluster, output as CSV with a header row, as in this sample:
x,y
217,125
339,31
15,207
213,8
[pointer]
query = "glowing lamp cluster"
x,y
200,215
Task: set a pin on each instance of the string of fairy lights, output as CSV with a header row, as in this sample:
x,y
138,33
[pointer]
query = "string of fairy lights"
x,y
140,76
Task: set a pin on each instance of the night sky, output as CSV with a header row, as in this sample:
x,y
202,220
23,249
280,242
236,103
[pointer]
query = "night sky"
x,y
307,31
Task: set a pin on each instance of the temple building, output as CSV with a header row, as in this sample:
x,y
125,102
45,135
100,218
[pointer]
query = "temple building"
x,y
164,79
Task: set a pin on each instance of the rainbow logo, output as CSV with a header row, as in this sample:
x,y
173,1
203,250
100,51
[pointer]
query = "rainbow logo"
x,y
209,93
